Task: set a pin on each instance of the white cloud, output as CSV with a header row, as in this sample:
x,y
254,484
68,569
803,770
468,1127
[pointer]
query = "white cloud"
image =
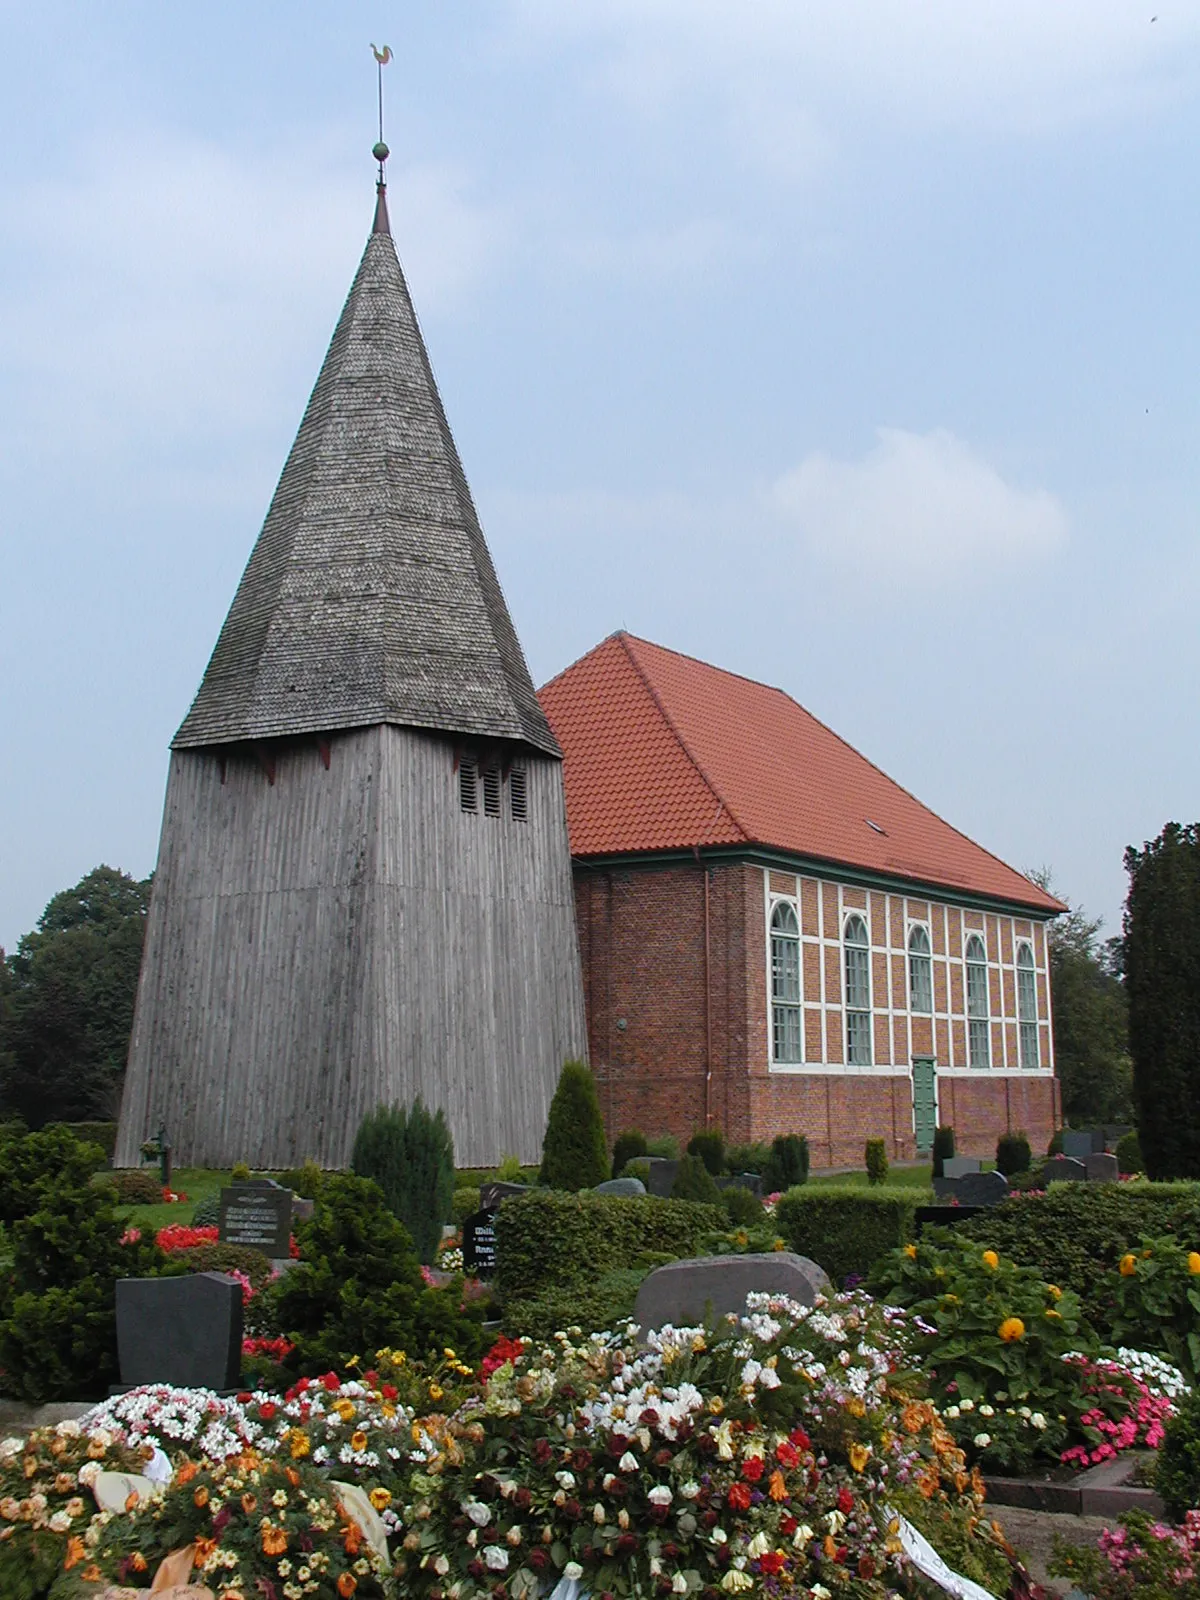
x,y
924,507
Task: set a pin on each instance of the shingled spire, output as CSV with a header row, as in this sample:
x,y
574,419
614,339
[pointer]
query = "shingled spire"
x,y
370,596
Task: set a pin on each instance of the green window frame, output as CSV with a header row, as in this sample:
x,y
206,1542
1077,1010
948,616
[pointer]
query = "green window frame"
x,y
920,972
1027,1013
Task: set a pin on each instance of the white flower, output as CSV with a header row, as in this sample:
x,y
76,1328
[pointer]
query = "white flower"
x,y
660,1495
987,1411
1038,1421
89,1472
479,1514
689,1490
572,1570
628,1462
952,1412
982,1440
758,1546
802,1536
820,1592
565,1480
441,1565
60,1522
679,1584
495,1556
966,1405
719,1536
599,1515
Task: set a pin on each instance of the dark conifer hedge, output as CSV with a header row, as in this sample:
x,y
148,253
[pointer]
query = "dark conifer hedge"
x,y
574,1150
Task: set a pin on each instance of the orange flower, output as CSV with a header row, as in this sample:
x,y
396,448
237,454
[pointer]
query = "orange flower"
x,y
274,1540
137,1561
187,1472
776,1487
200,1497
201,1550
829,1546
910,1250
1011,1329
346,1585
131,1501
927,1482
292,1476
358,1441
353,1539
859,1455
381,1499
990,1260
1193,1261
249,1504
75,1553
1128,1266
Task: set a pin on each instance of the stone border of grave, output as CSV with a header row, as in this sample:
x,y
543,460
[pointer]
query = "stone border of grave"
x,y
1100,1491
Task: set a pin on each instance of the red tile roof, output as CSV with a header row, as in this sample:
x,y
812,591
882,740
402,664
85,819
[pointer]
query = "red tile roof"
x,y
664,752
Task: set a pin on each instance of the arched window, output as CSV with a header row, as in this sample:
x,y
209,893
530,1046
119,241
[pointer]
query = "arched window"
x,y
1027,1006
978,1028
920,972
785,983
857,960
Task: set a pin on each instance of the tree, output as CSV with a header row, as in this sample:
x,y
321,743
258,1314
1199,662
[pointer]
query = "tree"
x,y
1162,978
66,1017
1091,1022
574,1149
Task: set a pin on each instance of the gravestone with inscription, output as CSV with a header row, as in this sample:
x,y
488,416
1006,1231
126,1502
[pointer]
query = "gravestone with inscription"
x,y
258,1215
183,1331
479,1244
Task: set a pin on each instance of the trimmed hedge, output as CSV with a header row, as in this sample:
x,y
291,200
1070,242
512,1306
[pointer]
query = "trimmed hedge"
x,y
225,1258
592,1307
846,1230
1076,1233
135,1187
552,1239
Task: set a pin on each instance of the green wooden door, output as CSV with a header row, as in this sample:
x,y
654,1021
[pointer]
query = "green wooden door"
x,y
924,1093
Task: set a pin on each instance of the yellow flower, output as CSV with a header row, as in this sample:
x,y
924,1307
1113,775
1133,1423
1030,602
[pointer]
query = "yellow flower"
x,y
1128,1266
1054,1290
1011,1329
358,1441
1055,1316
716,1405
345,1409
381,1499
1194,1260
436,1391
298,1443
859,1455
991,1259
910,1250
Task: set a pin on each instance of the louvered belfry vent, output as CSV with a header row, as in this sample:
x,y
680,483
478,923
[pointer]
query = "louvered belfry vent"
x,y
491,791
518,792
468,786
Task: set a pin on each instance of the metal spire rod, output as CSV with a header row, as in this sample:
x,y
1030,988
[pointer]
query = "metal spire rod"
x,y
381,152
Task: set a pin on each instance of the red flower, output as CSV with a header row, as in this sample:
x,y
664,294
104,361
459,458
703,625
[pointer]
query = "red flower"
x,y
799,1438
866,1566
845,1501
738,1496
627,1544
538,1558
267,1410
788,1523
786,1454
332,1382
772,1563
752,1468
541,1451
389,1391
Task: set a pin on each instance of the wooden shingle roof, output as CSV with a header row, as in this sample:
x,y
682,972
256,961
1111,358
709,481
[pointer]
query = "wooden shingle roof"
x,y
370,596
666,753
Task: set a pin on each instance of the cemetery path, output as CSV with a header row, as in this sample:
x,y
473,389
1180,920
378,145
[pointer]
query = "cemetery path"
x,y
1032,1533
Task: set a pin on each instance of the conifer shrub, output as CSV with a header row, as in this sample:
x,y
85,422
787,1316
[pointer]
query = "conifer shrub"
x,y
34,1164
943,1148
1129,1153
877,1161
240,1173
1013,1154
510,1170
787,1164
410,1155
574,1149
709,1145
629,1146
357,1287
693,1181
305,1181
749,1158
135,1187
207,1212
465,1203
745,1209
663,1145
102,1133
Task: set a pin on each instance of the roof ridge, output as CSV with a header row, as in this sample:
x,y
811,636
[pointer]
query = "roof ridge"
x,y
845,743
624,639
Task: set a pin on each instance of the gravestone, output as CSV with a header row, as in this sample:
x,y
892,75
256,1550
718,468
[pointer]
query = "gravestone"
x,y
479,1243
259,1215
685,1292
959,1166
741,1180
1063,1169
660,1179
627,1187
491,1194
1077,1143
943,1216
946,1189
1100,1167
183,1331
982,1188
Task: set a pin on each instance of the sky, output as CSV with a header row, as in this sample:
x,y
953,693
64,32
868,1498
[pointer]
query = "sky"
x,y
851,347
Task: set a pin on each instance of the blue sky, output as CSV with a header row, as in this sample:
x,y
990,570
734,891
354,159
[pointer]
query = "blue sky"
x,y
846,347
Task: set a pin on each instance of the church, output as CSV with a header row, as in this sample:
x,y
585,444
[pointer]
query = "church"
x,y
379,878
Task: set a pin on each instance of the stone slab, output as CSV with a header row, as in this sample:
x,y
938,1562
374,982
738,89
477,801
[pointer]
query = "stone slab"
x,y
982,1188
1102,1168
946,1188
184,1331
687,1292
258,1215
959,1166
491,1194
741,1180
1063,1169
479,1243
625,1187
660,1179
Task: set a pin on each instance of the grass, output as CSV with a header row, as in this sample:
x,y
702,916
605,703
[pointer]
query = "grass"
x,y
196,1182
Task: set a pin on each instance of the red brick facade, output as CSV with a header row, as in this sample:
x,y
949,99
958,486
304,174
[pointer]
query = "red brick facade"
x,y
676,981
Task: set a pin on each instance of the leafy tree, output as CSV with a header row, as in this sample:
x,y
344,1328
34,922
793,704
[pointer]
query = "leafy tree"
x,y
66,1001
1091,1028
1162,977
574,1149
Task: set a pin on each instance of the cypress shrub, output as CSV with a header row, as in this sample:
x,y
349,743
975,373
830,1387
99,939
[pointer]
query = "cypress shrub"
x,y
750,1158
34,1165
1162,980
745,1210
629,1147
943,1148
574,1150
787,1164
1129,1153
846,1230
709,1145
877,1161
1013,1154
410,1155
693,1181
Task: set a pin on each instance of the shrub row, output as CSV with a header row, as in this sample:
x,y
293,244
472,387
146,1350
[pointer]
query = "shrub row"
x,y
552,1239
102,1133
846,1230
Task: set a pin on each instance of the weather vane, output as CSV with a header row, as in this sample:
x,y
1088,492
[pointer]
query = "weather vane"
x,y
381,152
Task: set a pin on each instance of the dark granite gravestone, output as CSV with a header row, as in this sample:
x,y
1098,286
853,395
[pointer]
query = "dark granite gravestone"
x,y
1063,1169
946,1189
184,1331
982,1188
1100,1167
491,1194
959,1166
259,1215
660,1179
479,1243
684,1293
1077,1143
943,1216
741,1180
626,1187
